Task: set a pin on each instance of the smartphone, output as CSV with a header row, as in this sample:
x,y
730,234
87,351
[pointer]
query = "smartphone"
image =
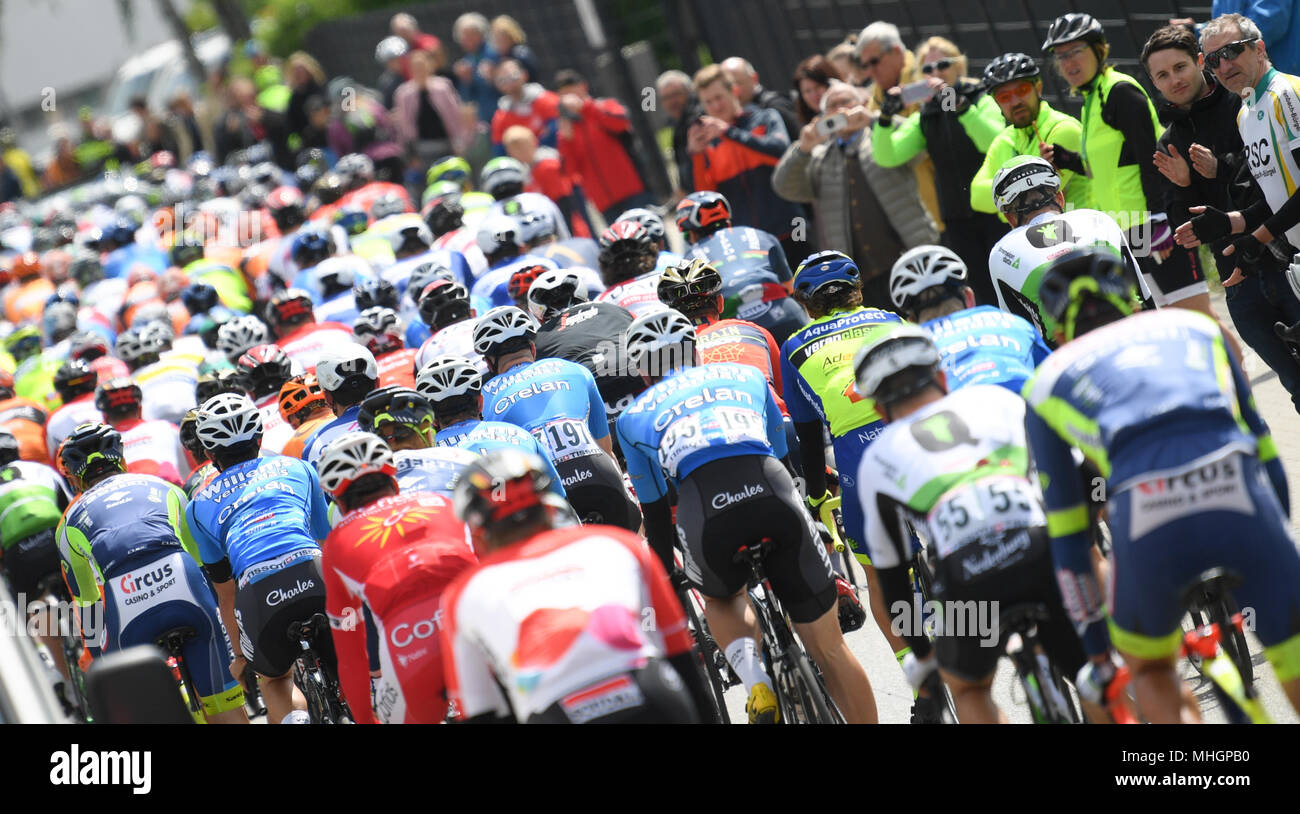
x,y
832,124
918,91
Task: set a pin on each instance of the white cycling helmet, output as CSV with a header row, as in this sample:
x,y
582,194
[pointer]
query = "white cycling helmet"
x,y
352,456
661,330
553,291
496,230
922,268
1019,175
398,238
499,326
341,269
241,333
375,321
535,225
390,48
901,346
448,377
228,419
346,365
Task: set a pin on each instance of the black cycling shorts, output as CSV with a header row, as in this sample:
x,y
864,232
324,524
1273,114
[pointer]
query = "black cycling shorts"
x,y
30,560
595,489
1000,574
732,502
654,694
265,609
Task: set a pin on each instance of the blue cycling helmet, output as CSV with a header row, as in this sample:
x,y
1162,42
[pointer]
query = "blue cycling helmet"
x,y
354,220
823,269
198,298
63,295
120,233
310,247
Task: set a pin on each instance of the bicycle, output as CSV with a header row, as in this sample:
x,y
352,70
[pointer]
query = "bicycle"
x,y
325,704
72,693
173,643
1217,648
800,693
1050,699
712,659
832,536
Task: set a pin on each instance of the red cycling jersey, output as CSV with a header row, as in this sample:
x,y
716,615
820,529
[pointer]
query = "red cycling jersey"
x,y
742,342
397,368
395,558
308,344
547,618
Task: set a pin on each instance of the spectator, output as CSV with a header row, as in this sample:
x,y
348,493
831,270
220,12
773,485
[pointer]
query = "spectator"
x,y
734,150
884,60
272,93
523,102
549,175
869,212
811,79
359,123
956,126
190,136
844,58
405,26
426,112
676,96
389,54
1200,143
473,71
1278,22
594,136
63,167
744,78
306,79
10,188
508,41
156,138
316,132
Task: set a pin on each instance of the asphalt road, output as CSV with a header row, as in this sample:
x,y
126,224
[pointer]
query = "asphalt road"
x,y
894,697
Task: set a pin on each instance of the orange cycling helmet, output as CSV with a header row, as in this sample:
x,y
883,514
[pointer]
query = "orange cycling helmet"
x,y
298,397
26,266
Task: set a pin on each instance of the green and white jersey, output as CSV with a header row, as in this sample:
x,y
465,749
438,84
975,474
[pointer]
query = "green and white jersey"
x,y
957,470
1019,260
32,499
1270,129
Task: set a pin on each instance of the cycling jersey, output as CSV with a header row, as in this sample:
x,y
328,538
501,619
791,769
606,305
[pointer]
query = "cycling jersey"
x,y
25,302
276,432
199,478
26,420
493,288
465,242
298,441
341,308
32,499
399,274
346,422
640,295
1270,129
457,339
479,436
391,561
1019,260
436,469
527,203
555,400
742,342
81,410
154,448
231,286
983,345
589,334
167,387
260,515
1145,398
34,379
755,274
397,368
558,618
693,416
1051,127
309,279
576,252
310,343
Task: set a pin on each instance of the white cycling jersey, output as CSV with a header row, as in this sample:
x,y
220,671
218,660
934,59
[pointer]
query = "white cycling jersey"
x,y
1270,130
276,432
640,295
528,202
167,386
154,448
63,421
457,339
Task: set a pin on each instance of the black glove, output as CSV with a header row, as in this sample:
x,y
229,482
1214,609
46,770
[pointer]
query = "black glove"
x,y
1211,225
1064,159
891,105
1248,253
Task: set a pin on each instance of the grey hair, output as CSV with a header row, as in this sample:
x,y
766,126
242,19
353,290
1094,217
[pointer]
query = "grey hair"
x,y
668,77
1219,24
471,19
839,85
884,34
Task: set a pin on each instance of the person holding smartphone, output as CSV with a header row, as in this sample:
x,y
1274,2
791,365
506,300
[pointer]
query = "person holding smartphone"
x,y
956,123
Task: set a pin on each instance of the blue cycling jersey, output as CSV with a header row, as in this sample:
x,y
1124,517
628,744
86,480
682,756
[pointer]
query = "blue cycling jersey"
x,y
399,274
574,252
258,510
479,436
342,308
493,288
554,399
986,345
694,416
436,469
347,422
119,261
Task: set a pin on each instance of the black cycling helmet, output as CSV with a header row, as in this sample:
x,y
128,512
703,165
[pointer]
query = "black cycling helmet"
x,y
118,395
443,303
396,405
690,286
190,435
74,378
1071,27
199,298
1085,289
375,293
8,448
626,251
226,380
1009,68
445,214
290,307
91,448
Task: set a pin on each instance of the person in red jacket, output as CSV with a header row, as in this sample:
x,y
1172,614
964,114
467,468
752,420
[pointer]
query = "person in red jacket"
x,y
592,134
523,102
549,175
391,558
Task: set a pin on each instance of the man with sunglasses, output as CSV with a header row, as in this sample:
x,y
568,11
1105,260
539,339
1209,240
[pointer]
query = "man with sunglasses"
x,y
1015,82
403,419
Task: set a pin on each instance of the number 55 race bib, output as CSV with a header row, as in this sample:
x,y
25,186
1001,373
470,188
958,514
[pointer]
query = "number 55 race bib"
x,y
987,506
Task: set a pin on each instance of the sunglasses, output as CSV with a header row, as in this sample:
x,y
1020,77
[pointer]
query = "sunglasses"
x,y
869,63
1230,51
1008,93
939,65
1073,53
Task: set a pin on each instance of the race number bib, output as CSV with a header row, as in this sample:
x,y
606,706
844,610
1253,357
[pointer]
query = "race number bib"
x,y
717,426
566,438
988,506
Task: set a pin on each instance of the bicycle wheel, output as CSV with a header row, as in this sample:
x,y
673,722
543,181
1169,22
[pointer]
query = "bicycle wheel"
x,y
1234,642
804,698
709,654
72,650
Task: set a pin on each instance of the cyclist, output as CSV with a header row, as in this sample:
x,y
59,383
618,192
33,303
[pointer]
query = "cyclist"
x,y
93,348
32,499
504,178
235,337
444,214
345,378
380,330
202,470
1159,407
381,293
25,296
500,239
333,280
297,332
978,344
445,307
167,379
124,539
715,433
954,464
658,234
628,255
403,418
454,388
263,370
546,629
152,447
558,402
34,374
303,407
388,562
497,287
584,332
755,273
257,525
26,420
